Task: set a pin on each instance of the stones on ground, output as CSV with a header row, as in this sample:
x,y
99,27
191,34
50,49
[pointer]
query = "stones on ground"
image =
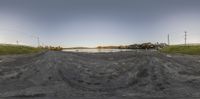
x,y
168,55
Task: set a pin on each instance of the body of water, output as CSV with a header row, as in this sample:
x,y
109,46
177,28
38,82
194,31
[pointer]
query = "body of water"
x,y
97,50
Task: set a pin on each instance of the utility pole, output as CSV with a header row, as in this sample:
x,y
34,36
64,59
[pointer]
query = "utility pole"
x,y
38,40
168,39
17,42
185,37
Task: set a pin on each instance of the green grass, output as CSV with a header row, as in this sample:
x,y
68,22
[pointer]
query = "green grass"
x,y
181,49
8,49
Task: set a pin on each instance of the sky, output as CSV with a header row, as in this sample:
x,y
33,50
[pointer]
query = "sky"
x,y
90,23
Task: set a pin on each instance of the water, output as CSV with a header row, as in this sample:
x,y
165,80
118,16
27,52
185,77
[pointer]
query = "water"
x,y
97,50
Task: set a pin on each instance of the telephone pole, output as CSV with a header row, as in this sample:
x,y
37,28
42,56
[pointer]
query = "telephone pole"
x,y
185,37
168,39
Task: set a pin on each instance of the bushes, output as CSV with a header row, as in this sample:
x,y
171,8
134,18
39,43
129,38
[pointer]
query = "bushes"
x,y
53,48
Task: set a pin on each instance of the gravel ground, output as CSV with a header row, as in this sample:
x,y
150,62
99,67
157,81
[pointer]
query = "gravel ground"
x,y
117,75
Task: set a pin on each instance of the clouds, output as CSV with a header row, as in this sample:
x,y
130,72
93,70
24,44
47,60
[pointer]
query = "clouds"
x,y
98,22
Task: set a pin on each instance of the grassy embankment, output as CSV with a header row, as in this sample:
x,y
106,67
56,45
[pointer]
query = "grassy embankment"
x,y
8,49
181,49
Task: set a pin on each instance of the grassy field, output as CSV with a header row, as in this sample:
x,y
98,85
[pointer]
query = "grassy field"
x,y
7,49
191,49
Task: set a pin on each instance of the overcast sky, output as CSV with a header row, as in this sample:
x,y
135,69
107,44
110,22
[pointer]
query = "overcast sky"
x,y
71,23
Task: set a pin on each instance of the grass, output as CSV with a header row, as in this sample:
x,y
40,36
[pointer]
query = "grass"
x,y
181,49
8,49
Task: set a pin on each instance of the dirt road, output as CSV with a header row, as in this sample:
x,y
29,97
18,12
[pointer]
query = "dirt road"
x,y
118,75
